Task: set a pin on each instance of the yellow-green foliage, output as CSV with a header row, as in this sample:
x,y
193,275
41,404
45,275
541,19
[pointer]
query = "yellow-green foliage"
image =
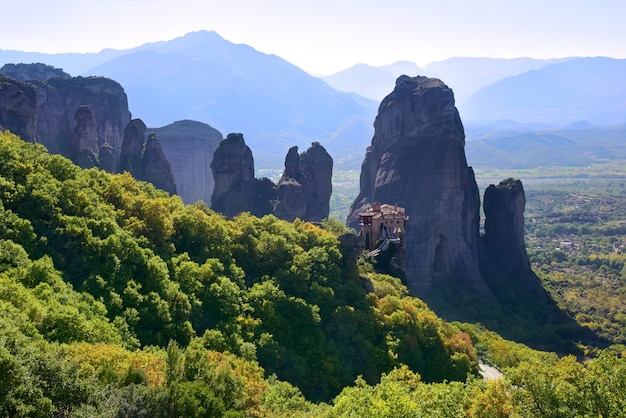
x,y
106,264
118,300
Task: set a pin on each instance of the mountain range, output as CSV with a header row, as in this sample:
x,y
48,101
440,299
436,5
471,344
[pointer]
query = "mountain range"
x,y
235,88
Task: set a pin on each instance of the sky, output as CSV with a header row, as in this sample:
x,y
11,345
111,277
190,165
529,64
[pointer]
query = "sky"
x,y
326,36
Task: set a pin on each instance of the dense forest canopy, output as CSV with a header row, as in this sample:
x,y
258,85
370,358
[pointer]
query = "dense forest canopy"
x,y
117,299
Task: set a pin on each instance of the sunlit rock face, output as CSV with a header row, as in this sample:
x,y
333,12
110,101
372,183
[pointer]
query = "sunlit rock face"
x,y
417,161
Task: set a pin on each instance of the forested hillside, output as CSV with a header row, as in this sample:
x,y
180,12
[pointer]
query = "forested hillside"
x,y
116,300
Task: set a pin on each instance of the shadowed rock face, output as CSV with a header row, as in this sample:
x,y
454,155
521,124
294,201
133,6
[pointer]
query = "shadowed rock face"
x,y
504,234
44,111
84,147
189,147
235,185
106,159
417,160
18,108
303,191
145,161
306,185
132,146
154,166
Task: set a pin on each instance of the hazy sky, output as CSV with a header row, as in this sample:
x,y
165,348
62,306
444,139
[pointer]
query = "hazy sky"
x,y
325,36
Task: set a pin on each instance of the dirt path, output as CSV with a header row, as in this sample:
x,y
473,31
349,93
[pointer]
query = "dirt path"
x,y
489,372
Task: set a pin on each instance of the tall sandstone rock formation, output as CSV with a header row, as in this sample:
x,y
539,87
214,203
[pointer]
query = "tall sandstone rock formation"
x,y
236,189
44,110
84,147
189,147
306,185
145,161
417,161
303,191
132,146
504,245
154,167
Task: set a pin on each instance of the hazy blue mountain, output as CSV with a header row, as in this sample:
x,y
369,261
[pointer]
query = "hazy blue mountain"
x,y
72,63
589,89
466,76
369,81
580,144
234,88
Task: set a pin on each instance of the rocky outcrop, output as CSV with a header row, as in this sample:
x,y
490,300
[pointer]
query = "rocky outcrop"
x,y
189,147
303,191
18,108
106,159
44,110
132,146
38,71
317,167
236,189
154,167
417,161
504,245
306,185
145,160
84,148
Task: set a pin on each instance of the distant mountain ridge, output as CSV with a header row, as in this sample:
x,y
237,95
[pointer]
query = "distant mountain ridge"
x,y
590,89
465,75
234,88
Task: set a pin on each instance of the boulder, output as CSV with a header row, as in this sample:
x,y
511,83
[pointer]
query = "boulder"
x,y
417,161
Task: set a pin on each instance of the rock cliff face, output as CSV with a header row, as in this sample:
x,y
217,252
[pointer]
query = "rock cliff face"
x,y
44,111
417,160
189,147
18,108
306,185
132,146
236,189
106,159
154,167
303,191
84,148
504,234
25,72
145,161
